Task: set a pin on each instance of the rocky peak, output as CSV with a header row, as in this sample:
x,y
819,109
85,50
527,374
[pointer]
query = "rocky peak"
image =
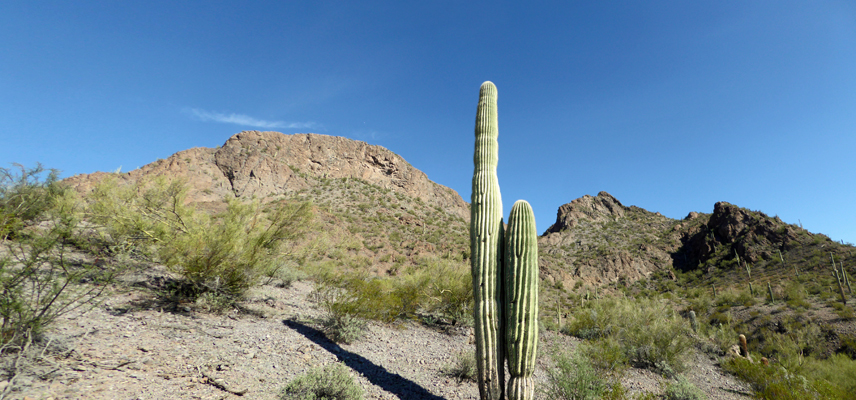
x,y
598,208
263,164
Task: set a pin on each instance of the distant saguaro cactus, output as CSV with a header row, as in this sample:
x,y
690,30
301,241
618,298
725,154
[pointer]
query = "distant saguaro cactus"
x,y
744,347
486,232
521,300
693,321
770,291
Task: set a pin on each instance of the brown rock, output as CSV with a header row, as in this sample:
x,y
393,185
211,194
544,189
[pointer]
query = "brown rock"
x,y
598,208
265,164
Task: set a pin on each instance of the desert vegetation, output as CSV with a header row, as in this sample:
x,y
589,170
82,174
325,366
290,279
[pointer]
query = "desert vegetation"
x,y
377,256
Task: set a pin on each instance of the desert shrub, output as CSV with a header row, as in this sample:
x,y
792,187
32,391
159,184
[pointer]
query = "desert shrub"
x,y
720,337
441,288
775,382
463,368
682,389
333,382
606,355
37,281
341,323
232,251
848,346
449,290
844,312
26,195
835,375
573,378
224,254
794,296
650,333
343,328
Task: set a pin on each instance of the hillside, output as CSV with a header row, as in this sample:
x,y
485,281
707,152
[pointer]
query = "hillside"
x,y
375,210
598,241
621,279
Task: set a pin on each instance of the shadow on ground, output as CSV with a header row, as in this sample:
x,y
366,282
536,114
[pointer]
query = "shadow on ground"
x,y
393,383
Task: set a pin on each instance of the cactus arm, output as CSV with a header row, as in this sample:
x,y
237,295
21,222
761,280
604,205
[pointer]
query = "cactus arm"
x,y
486,251
521,300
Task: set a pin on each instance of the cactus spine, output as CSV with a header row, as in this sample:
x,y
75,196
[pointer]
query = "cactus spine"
x,y
521,300
485,240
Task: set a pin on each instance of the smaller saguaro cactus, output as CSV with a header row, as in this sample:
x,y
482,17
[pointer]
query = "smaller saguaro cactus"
x,y
521,300
693,321
770,291
744,347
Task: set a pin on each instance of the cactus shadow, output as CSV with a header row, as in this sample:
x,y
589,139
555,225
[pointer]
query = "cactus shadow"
x,y
394,383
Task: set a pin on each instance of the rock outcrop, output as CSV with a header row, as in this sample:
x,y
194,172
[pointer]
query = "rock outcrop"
x,y
595,209
265,164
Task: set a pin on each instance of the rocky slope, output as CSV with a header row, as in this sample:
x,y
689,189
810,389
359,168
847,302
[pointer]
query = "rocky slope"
x,y
378,210
374,210
264,164
598,241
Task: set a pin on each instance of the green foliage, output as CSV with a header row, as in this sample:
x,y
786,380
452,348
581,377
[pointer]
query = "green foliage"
x,y
463,367
650,333
26,195
440,288
573,377
224,254
343,328
37,281
682,389
232,251
775,383
333,382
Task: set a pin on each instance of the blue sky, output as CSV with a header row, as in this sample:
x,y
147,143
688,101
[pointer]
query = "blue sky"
x,y
669,105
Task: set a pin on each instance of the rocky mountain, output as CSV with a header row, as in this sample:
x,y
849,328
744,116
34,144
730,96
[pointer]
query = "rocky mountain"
x,y
375,211
264,164
598,241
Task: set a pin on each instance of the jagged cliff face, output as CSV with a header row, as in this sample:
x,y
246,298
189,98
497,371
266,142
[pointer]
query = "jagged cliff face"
x,y
263,164
597,240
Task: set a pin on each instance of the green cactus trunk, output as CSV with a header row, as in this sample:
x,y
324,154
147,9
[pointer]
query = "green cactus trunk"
x,y
693,321
521,300
486,232
770,291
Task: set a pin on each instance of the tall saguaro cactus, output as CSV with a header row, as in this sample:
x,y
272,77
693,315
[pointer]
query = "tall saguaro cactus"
x,y
521,300
486,232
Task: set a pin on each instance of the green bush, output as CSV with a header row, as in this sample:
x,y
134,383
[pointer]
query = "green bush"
x,y
650,332
26,195
573,378
37,281
463,368
441,288
233,251
775,382
224,254
682,389
333,382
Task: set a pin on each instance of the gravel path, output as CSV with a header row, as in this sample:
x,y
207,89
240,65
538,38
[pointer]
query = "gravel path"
x,y
131,348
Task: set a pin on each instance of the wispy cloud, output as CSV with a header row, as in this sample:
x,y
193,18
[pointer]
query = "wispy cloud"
x,y
246,120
